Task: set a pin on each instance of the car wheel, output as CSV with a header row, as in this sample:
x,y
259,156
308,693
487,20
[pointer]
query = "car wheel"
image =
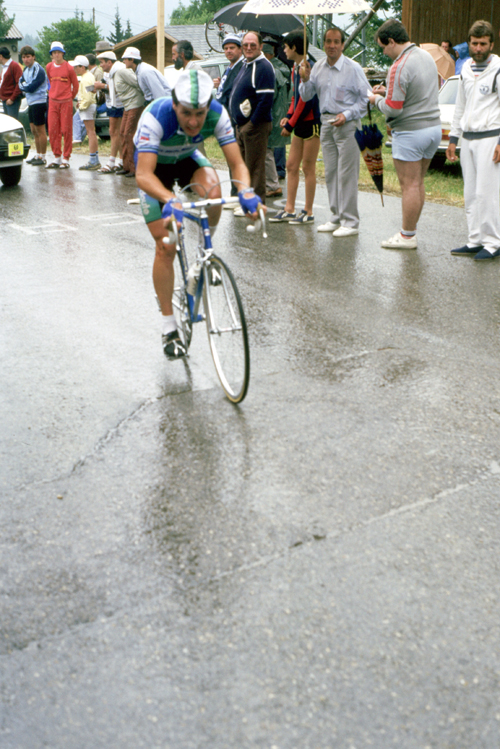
x,y
11,175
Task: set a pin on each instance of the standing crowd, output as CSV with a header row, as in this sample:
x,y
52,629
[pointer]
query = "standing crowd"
x,y
157,133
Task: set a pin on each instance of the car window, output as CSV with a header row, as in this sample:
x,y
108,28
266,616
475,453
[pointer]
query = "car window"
x,y
212,70
448,93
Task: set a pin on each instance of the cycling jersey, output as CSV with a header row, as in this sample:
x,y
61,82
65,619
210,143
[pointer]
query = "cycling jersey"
x,y
159,132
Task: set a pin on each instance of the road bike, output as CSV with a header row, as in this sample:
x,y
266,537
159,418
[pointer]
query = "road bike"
x,y
205,289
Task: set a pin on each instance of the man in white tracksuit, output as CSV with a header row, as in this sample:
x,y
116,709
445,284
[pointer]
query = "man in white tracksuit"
x,y
477,120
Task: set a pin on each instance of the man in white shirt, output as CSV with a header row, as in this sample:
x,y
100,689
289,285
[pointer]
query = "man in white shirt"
x,y
342,89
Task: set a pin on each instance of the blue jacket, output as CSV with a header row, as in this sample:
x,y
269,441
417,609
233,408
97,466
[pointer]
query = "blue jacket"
x,y
33,83
253,93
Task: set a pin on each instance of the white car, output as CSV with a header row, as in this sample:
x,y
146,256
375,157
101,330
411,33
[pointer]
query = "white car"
x,y
446,98
13,150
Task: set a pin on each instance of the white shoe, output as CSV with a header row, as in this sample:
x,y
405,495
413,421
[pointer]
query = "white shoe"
x,y
345,231
238,212
328,226
398,242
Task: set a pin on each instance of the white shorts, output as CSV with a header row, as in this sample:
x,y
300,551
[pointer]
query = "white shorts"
x,y
89,113
414,145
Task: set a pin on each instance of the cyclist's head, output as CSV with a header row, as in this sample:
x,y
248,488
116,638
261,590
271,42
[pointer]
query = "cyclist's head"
x,y
191,96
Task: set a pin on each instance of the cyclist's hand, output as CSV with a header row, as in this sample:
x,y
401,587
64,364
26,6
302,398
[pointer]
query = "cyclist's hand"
x,y
173,210
250,202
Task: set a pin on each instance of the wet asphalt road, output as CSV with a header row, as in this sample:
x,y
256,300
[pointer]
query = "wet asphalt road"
x,y
316,568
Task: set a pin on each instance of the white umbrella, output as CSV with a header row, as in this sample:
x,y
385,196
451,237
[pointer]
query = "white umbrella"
x,y
304,7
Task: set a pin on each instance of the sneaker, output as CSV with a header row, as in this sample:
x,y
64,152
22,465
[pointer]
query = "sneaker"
x,y
303,219
466,250
485,254
329,226
282,216
345,231
173,347
37,161
30,161
90,167
398,242
238,212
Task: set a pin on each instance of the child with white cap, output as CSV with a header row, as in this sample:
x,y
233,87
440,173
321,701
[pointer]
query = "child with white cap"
x,y
87,108
63,89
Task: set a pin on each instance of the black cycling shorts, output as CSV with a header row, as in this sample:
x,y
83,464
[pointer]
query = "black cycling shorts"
x,y
307,130
37,114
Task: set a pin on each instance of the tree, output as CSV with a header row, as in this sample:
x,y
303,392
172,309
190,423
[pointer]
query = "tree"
x,y
374,55
198,11
128,30
78,37
5,21
117,35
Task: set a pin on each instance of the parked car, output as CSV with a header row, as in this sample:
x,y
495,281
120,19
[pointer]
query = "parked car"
x,y
13,150
447,98
215,65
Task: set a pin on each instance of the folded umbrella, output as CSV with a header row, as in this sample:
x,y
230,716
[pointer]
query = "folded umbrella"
x,y
369,140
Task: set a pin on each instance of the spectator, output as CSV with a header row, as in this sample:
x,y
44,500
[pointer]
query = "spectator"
x,y
304,120
280,106
114,108
342,90
33,84
412,112
250,107
462,51
448,47
182,56
151,82
63,89
87,108
9,89
128,89
477,120
232,49
280,151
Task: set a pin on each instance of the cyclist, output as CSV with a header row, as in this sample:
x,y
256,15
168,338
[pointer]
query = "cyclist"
x,y
167,139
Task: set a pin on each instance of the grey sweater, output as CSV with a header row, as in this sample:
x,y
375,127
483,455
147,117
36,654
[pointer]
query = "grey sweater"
x,y
411,100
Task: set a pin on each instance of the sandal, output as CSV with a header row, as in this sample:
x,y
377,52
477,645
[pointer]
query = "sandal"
x,y
107,169
53,165
64,165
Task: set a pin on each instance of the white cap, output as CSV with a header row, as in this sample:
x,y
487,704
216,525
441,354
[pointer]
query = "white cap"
x,y
194,89
80,60
132,53
109,55
57,47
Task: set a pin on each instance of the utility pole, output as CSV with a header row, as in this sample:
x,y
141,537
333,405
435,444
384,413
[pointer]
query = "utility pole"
x,y
93,16
160,37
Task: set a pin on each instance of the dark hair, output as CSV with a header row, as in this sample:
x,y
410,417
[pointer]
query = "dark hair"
x,y
4,51
91,58
392,29
447,41
27,51
479,29
335,28
186,47
257,34
296,39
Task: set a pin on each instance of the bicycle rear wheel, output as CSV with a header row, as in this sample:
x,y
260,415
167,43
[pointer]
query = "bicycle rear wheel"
x,y
180,300
226,328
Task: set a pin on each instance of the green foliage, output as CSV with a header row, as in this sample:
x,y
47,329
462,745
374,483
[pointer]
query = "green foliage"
x,y
198,11
118,34
374,56
128,30
78,37
5,21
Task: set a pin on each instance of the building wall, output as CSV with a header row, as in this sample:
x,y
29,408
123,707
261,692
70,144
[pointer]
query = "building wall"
x,y
435,20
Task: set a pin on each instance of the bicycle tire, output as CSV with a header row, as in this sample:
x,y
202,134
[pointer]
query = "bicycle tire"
x,y
226,329
180,300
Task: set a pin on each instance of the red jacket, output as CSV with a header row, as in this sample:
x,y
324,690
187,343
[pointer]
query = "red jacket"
x,y
62,80
9,88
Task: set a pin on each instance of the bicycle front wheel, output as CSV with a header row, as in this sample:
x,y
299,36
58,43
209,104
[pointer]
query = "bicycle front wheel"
x,y
226,328
180,300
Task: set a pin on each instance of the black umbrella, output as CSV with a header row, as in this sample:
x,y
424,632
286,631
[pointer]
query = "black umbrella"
x,y
267,24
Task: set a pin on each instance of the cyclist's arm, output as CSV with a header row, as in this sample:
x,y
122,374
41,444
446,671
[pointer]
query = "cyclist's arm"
x,y
236,164
148,181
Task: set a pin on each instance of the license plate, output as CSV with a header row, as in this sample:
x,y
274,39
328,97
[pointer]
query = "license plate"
x,y
16,149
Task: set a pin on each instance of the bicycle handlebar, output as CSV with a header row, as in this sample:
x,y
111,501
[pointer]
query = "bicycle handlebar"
x,y
233,199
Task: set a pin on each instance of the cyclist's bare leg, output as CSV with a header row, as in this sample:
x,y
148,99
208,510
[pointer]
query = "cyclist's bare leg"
x,y
206,184
163,267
